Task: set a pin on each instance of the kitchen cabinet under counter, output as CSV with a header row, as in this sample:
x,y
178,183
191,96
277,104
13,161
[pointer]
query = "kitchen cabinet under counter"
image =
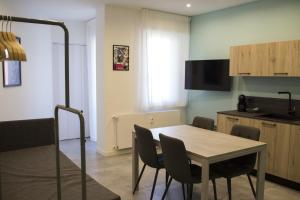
x,y
282,138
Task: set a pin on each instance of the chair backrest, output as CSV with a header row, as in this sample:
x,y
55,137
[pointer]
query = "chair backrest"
x,y
205,123
145,146
248,133
175,158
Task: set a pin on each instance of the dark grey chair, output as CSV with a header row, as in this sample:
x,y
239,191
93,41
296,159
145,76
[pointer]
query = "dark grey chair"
x,y
147,152
205,123
178,166
242,165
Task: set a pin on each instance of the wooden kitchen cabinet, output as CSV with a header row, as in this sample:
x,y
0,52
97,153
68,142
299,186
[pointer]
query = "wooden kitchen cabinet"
x,y
226,122
241,61
284,58
259,60
277,64
269,59
249,60
234,61
294,158
283,143
277,137
295,58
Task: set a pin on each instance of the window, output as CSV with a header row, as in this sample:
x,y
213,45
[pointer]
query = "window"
x,y
165,43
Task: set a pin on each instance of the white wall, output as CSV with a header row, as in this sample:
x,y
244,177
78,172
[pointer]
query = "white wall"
x,y
34,99
82,76
100,26
77,32
213,33
117,89
91,73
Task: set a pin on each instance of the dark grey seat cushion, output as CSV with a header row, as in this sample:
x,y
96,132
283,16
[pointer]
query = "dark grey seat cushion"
x,y
29,174
230,168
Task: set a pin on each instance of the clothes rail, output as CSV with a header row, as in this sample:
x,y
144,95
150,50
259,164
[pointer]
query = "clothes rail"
x,y
51,23
60,107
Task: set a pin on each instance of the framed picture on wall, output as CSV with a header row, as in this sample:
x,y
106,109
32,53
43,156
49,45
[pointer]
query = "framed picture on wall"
x,y
120,57
12,72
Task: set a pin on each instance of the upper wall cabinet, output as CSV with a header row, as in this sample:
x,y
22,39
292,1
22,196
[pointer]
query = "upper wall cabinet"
x,y
270,59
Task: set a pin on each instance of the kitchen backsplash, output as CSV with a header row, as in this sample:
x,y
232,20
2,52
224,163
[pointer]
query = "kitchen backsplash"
x,y
272,105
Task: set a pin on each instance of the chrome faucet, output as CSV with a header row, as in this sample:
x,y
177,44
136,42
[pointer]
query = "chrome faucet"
x,y
291,109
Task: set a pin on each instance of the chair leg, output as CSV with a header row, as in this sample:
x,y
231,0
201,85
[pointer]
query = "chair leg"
x,y
190,191
167,188
229,188
154,183
183,190
251,184
215,188
167,177
138,181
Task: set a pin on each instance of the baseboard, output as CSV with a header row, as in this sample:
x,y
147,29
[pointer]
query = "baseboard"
x,y
280,181
113,152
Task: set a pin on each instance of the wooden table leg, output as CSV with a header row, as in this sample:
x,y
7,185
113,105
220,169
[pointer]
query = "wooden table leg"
x,y
261,169
204,180
135,162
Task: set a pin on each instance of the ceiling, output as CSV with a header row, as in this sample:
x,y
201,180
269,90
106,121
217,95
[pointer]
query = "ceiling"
x,y
79,10
85,9
179,6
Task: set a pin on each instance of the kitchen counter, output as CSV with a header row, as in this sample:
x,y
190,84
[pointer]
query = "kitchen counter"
x,y
258,115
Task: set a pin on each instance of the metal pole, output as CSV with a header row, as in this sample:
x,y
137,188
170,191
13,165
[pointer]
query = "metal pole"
x,y
83,161
58,181
67,87
82,143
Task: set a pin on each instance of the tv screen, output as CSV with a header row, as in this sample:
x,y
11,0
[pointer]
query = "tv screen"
x,y
207,75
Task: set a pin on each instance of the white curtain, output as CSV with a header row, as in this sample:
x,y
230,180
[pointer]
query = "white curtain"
x,y
91,69
165,47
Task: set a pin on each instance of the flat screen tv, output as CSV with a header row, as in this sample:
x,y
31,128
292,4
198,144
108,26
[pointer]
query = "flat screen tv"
x,y
207,75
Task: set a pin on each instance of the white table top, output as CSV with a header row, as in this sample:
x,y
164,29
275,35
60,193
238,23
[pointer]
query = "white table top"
x,y
207,144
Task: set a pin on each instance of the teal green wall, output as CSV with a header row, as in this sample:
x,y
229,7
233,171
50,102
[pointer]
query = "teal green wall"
x,y
212,34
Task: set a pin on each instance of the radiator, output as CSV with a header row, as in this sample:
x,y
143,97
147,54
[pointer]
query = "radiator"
x,y
123,124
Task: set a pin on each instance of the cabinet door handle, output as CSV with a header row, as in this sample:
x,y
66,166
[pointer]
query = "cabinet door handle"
x,y
244,73
232,118
269,124
281,74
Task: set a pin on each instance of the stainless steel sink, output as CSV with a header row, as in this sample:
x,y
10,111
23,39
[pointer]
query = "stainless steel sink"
x,y
281,116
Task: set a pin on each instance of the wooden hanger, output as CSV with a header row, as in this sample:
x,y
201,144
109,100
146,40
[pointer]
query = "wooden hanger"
x,y
19,51
7,45
10,40
4,52
2,49
10,48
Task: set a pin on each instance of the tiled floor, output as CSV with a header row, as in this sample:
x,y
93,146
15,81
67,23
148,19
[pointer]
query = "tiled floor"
x,y
115,173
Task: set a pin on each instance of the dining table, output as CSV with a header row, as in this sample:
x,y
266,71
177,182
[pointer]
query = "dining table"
x,y
207,147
